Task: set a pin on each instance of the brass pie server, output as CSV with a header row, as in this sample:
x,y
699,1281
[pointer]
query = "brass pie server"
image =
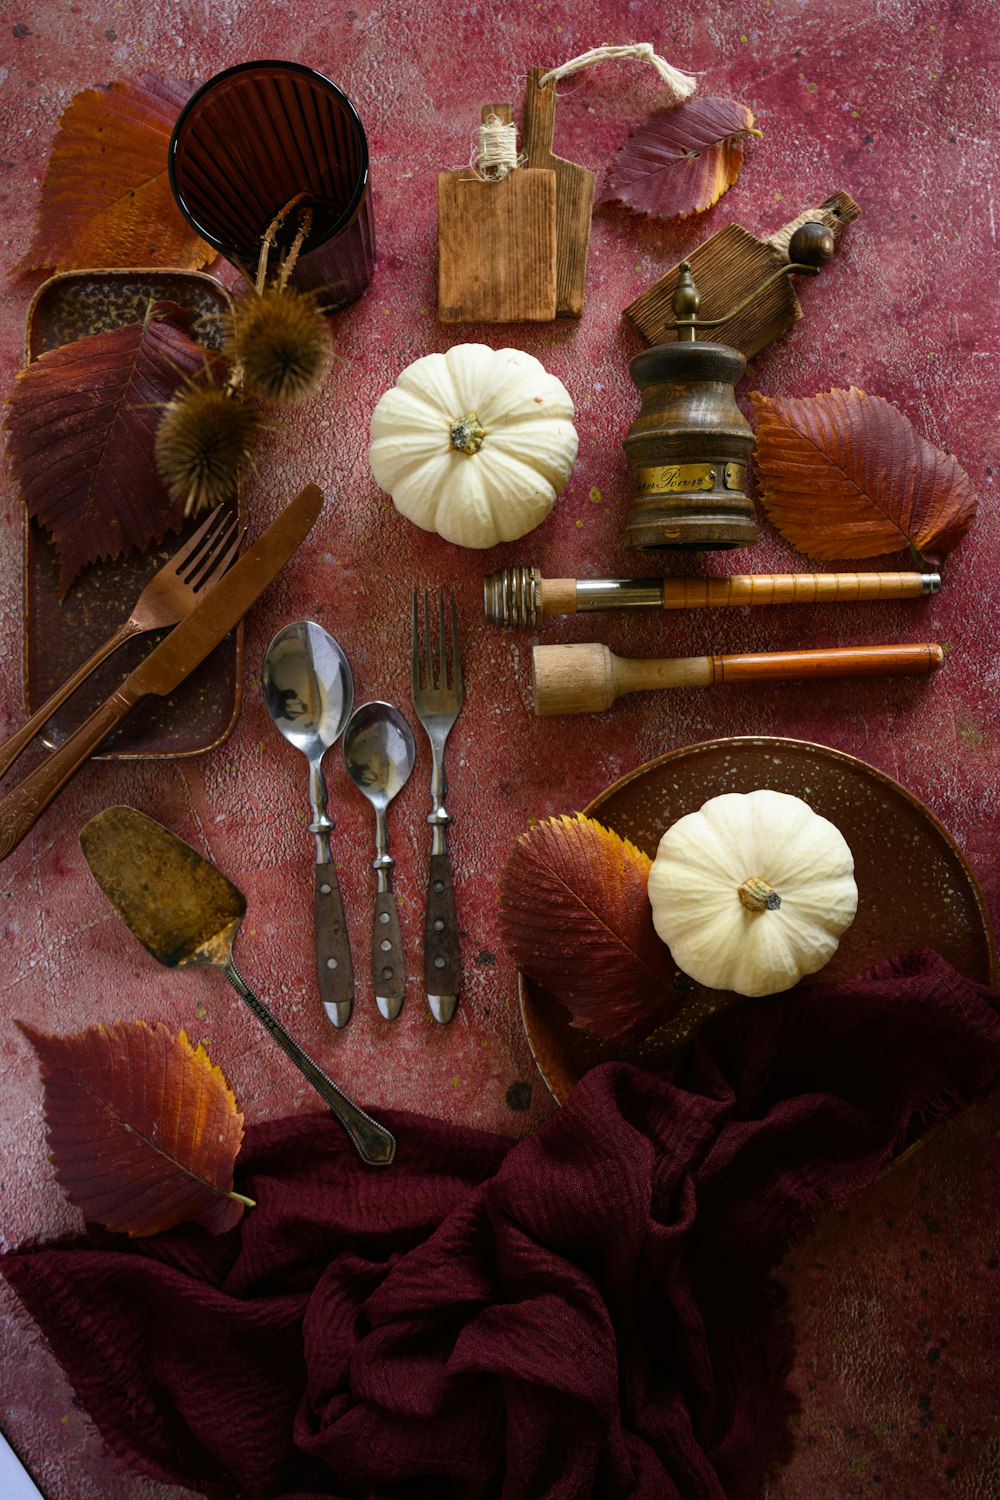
x,y
184,911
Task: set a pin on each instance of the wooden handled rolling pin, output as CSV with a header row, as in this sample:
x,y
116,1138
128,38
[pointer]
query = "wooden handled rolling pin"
x,y
520,596
586,679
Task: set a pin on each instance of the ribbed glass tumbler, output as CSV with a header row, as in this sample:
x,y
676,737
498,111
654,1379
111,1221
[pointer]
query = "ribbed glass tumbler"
x,y
256,137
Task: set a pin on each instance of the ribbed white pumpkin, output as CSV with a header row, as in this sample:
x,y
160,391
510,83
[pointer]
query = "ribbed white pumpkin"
x,y
474,444
745,942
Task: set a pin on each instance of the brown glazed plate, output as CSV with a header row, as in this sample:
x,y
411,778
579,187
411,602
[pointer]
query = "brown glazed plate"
x,y
60,634
914,885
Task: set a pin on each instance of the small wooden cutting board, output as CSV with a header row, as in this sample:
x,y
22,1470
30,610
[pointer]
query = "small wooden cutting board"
x,y
497,243
574,195
727,268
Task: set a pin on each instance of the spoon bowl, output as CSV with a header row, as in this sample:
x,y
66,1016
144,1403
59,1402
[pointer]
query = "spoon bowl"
x,y
379,751
309,692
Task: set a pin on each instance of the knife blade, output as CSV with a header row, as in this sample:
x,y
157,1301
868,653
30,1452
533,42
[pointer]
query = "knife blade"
x,y
167,665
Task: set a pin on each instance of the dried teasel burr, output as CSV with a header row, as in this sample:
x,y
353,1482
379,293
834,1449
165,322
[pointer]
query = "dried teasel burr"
x,y
276,338
203,445
280,342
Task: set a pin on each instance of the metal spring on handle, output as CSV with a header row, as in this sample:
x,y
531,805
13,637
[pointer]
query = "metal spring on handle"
x,y
510,596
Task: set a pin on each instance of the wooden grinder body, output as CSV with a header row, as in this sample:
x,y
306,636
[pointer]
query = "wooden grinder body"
x,y
689,448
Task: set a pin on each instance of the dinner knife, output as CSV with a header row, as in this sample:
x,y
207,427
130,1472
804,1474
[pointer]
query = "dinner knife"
x,y
167,665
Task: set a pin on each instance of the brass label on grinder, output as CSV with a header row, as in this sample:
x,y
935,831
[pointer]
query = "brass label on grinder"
x,y
733,478
674,478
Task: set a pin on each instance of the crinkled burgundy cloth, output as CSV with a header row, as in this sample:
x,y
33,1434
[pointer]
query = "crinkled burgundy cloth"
x,y
586,1313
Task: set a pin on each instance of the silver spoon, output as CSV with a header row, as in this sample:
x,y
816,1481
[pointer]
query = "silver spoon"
x,y
309,692
379,751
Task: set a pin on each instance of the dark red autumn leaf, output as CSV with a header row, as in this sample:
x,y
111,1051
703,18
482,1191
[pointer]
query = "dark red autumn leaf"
x,y
106,200
680,161
143,1129
845,474
576,919
81,427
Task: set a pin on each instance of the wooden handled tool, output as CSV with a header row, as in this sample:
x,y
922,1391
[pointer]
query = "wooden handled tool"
x,y
586,679
521,596
727,267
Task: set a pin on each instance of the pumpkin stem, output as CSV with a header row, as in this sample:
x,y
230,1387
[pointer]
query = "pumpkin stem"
x,y
467,435
757,895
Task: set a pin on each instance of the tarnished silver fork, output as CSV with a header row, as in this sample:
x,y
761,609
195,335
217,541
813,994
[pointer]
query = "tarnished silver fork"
x,y
169,595
437,702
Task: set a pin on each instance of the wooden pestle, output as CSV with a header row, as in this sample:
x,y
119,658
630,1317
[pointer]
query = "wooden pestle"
x,y
587,678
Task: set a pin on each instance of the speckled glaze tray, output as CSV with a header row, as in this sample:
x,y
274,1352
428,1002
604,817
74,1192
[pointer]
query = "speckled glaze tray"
x,y
60,634
914,885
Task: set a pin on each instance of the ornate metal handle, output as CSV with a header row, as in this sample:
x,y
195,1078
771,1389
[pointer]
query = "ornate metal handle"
x,y
374,1144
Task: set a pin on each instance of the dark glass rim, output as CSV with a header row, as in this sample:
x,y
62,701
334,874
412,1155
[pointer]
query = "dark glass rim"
x,y
225,247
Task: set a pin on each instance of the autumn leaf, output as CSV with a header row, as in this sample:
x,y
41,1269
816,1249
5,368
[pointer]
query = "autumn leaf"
x,y
576,918
845,474
106,200
680,161
143,1129
81,427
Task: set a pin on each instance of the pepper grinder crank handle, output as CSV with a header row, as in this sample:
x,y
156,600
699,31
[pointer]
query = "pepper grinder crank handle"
x,y
521,596
587,678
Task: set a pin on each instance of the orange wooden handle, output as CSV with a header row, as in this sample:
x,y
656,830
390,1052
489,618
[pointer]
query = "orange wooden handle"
x,y
848,661
792,588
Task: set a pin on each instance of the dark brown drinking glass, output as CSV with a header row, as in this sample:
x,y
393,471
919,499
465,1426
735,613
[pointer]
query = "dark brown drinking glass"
x,y
255,137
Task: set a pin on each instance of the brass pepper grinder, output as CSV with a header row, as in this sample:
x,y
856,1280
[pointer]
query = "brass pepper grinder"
x,y
690,444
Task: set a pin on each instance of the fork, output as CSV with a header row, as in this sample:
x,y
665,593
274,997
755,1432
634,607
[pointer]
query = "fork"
x,y
168,597
437,706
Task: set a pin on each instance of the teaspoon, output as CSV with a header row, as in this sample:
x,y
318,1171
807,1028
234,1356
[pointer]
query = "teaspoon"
x,y
379,752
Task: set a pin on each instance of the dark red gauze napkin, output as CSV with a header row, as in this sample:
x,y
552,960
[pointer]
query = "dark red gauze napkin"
x,y
587,1313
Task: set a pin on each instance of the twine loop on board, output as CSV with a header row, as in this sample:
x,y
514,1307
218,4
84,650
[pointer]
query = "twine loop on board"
x,y
681,85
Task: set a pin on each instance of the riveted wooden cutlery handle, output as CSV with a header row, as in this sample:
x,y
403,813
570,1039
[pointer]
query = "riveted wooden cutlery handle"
x,y
388,975
442,961
334,970
22,807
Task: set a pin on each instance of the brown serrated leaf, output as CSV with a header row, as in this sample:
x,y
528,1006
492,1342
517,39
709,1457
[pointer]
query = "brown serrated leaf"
x,y
106,200
845,474
576,918
680,161
81,428
143,1129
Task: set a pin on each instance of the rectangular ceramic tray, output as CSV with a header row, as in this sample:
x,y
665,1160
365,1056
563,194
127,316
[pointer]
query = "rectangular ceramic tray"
x,y
60,634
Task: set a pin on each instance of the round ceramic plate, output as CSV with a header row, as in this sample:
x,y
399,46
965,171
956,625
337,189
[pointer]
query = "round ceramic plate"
x,y
914,886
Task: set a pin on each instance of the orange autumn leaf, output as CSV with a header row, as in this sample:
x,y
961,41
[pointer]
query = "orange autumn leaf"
x,y
845,474
105,199
576,918
680,161
142,1127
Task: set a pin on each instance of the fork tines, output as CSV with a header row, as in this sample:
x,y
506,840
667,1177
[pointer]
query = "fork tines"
x,y
437,687
211,549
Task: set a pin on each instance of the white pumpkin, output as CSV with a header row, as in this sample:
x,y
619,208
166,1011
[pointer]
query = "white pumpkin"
x,y
752,892
474,444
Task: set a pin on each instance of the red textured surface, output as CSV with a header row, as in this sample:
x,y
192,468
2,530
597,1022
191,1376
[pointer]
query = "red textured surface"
x,y
898,1361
